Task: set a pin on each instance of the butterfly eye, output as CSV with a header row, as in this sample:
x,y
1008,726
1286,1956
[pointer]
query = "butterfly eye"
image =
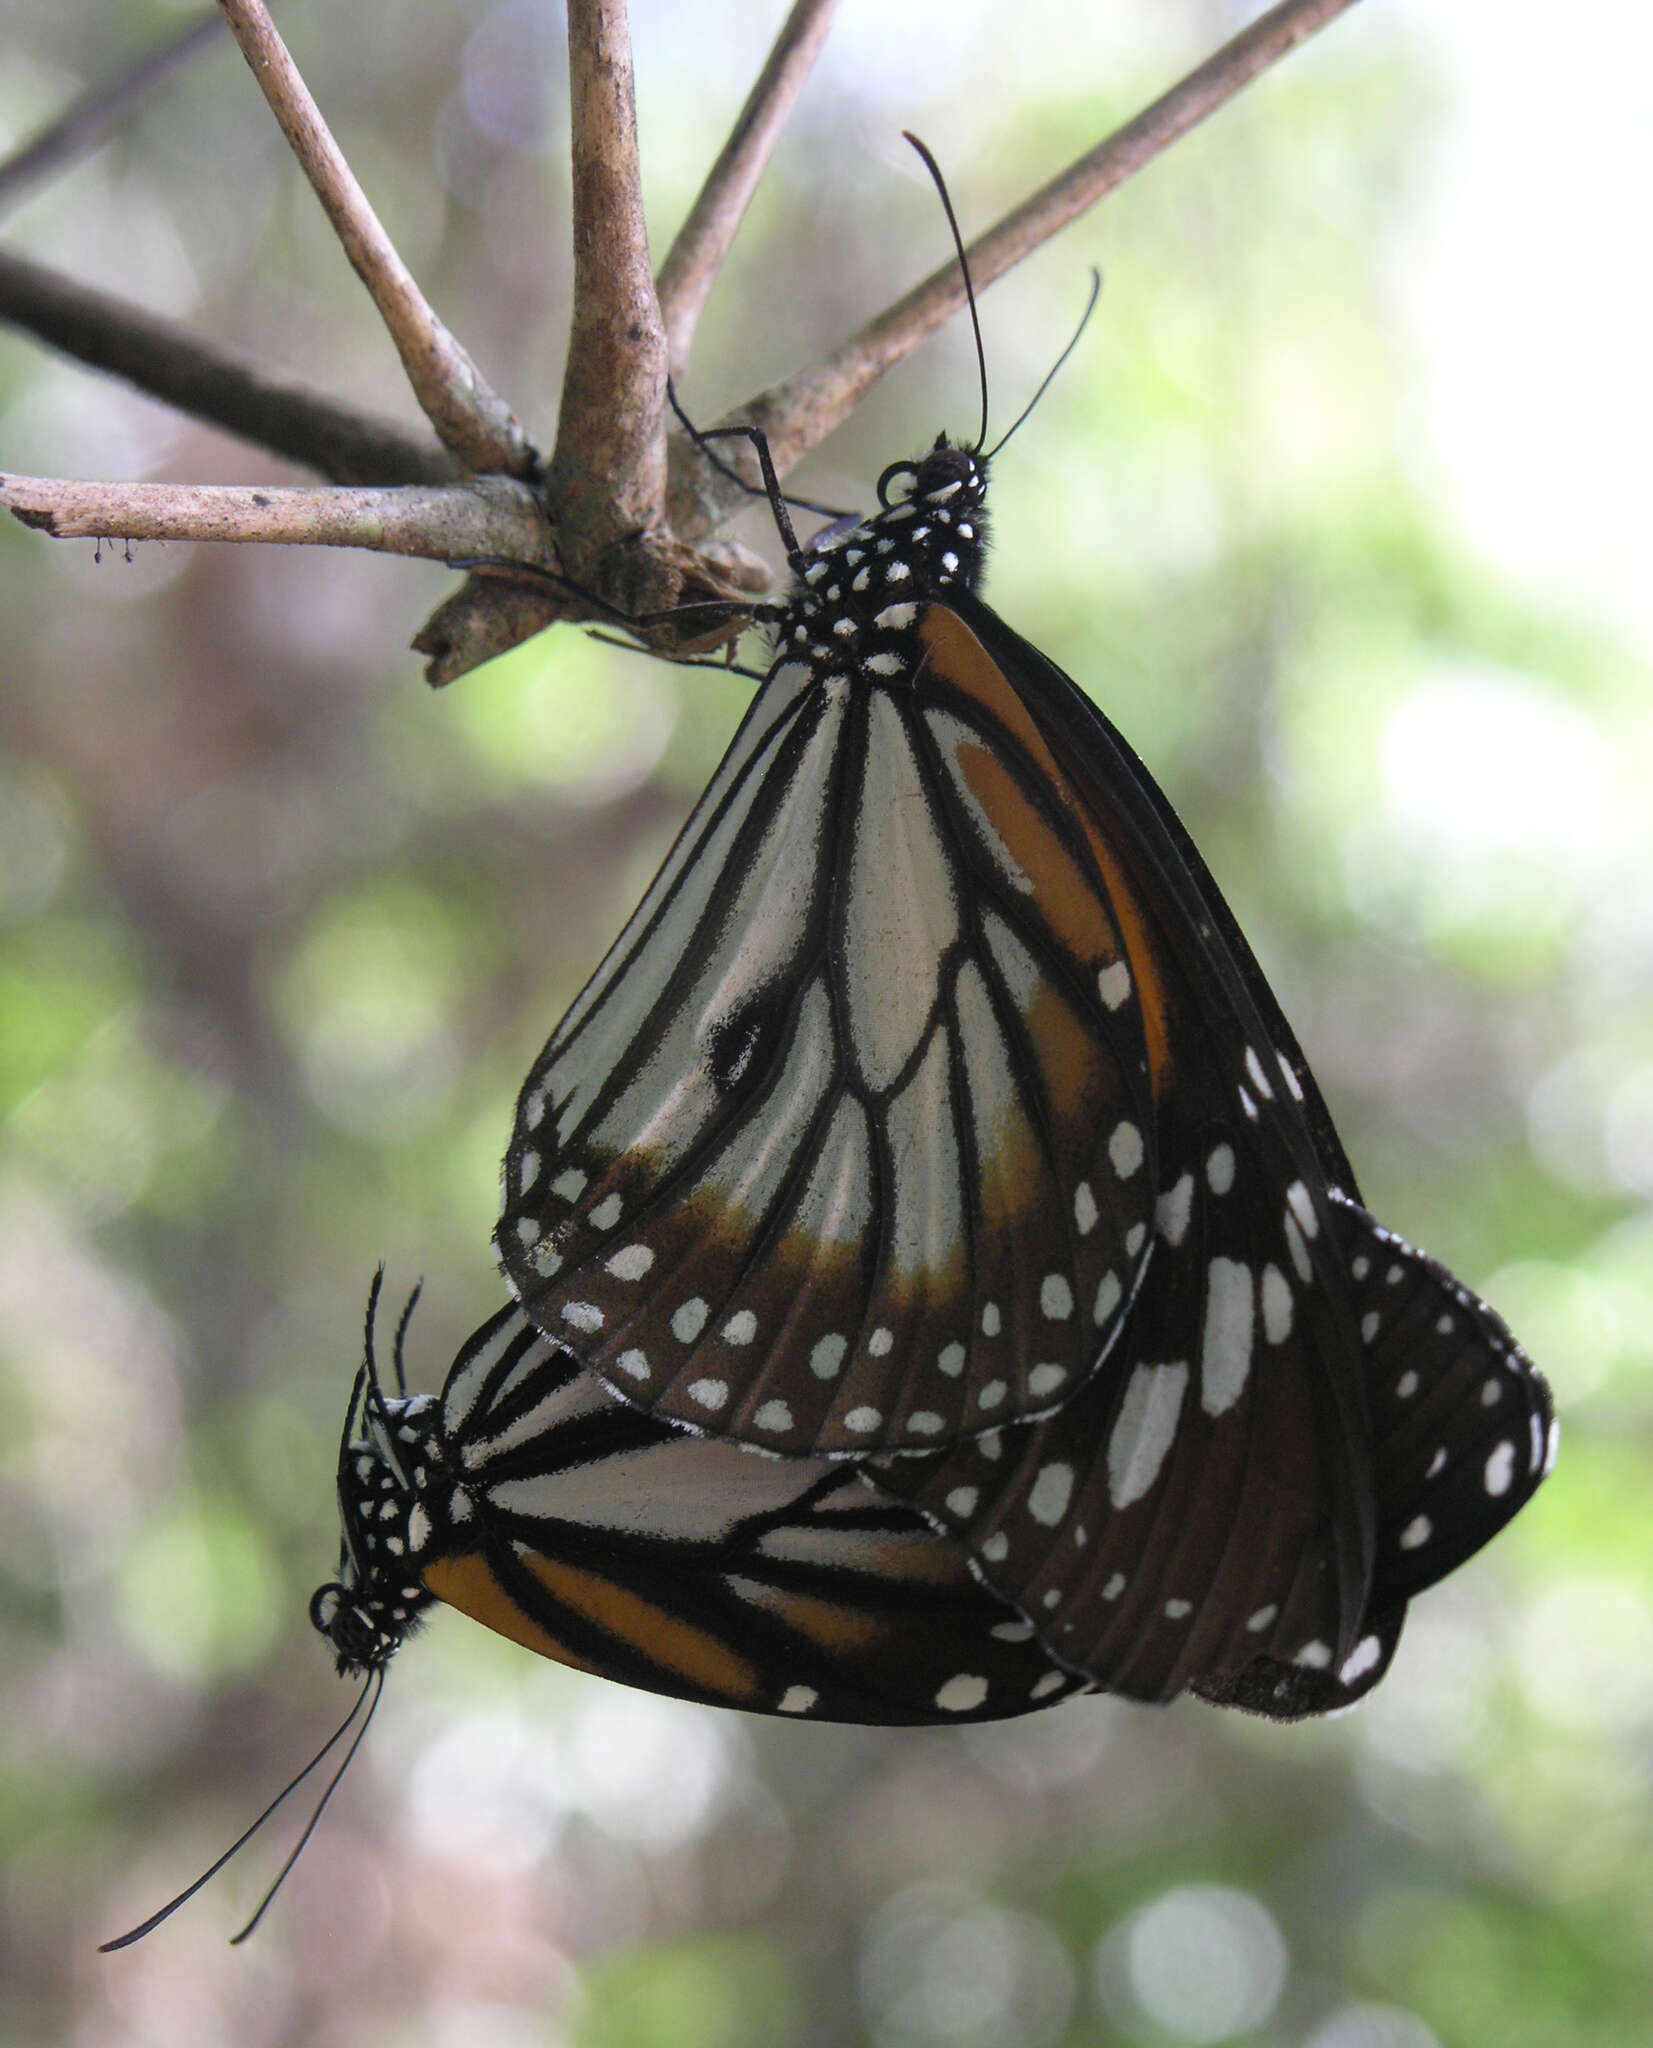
x,y
896,469
742,1047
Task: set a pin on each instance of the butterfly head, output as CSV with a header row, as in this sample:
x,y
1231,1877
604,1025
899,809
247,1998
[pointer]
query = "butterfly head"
x,y
387,1457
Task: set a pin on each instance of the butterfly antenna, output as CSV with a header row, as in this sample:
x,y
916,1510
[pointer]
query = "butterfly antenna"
x,y
107,1948
1050,375
940,184
321,1804
401,1334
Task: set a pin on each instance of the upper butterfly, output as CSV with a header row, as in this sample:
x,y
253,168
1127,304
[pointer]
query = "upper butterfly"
x,y
932,1112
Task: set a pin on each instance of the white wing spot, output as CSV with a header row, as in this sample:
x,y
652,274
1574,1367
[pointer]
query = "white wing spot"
x,y
1173,1210
1011,1632
582,1315
1219,1169
1416,1533
1492,1392
1247,1104
884,664
528,1171
631,1262
1262,1618
1144,1429
1055,1298
1277,1309
1053,1681
1113,984
1407,1385
896,616
1360,1267
1289,1075
1225,1355
1301,1204
863,1420
1437,1464
533,1109
1108,1296
1048,1496
1299,1251
1361,1659
1444,1326
990,1444
1178,1610
528,1232
607,1213
634,1364
689,1319
962,1695
1370,1323
1114,1587
925,1422
797,1699
991,1394
997,1548
741,1327
1314,1656
1084,1208
570,1184
950,1359
827,1356
1394,1276
962,1502
1254,1067
1134,1239
881,1342
773,1415
709,1393
1125,1149
1500,1471
1045,1379
991,1321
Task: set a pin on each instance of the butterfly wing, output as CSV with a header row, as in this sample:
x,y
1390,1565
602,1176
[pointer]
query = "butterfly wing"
x,y
620,1545
1233,1502
849,1143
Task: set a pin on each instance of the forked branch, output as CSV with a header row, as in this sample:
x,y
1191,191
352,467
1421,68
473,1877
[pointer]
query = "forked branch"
x,y
602,519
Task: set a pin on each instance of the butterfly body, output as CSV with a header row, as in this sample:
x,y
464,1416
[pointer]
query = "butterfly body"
x,y
930,1147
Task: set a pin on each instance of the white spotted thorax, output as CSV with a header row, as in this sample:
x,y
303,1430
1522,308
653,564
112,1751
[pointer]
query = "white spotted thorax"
x,y
387,1485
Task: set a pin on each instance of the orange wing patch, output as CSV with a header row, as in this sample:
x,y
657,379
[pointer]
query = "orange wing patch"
x,y
1077,919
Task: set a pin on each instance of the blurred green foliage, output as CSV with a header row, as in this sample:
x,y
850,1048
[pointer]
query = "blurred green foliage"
x,y
280,933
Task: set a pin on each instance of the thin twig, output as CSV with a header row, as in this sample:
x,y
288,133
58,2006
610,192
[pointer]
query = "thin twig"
x,y
703,242
470,419
215,383
82,125
608,475
799,412
487,516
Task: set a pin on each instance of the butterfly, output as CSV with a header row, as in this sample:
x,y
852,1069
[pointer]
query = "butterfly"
x,y
938,1283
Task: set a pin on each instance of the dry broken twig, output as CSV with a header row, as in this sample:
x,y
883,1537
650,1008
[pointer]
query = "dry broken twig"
x,y
606,522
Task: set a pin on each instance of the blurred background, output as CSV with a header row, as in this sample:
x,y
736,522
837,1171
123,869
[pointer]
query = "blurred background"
x,y
1339,510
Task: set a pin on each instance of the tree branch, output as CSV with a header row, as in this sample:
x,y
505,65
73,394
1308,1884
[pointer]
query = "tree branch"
x,y
802,410
214,383
487,516
607,478
703,242
471,421
82,126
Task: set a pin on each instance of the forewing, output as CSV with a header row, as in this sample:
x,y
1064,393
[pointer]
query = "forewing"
x,y
858,1111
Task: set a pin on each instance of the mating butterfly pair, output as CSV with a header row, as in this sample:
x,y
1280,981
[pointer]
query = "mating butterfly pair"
x,y
939,1286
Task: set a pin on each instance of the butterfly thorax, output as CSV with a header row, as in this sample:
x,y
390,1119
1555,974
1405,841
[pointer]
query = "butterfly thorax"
x,y
387,1479
860,587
